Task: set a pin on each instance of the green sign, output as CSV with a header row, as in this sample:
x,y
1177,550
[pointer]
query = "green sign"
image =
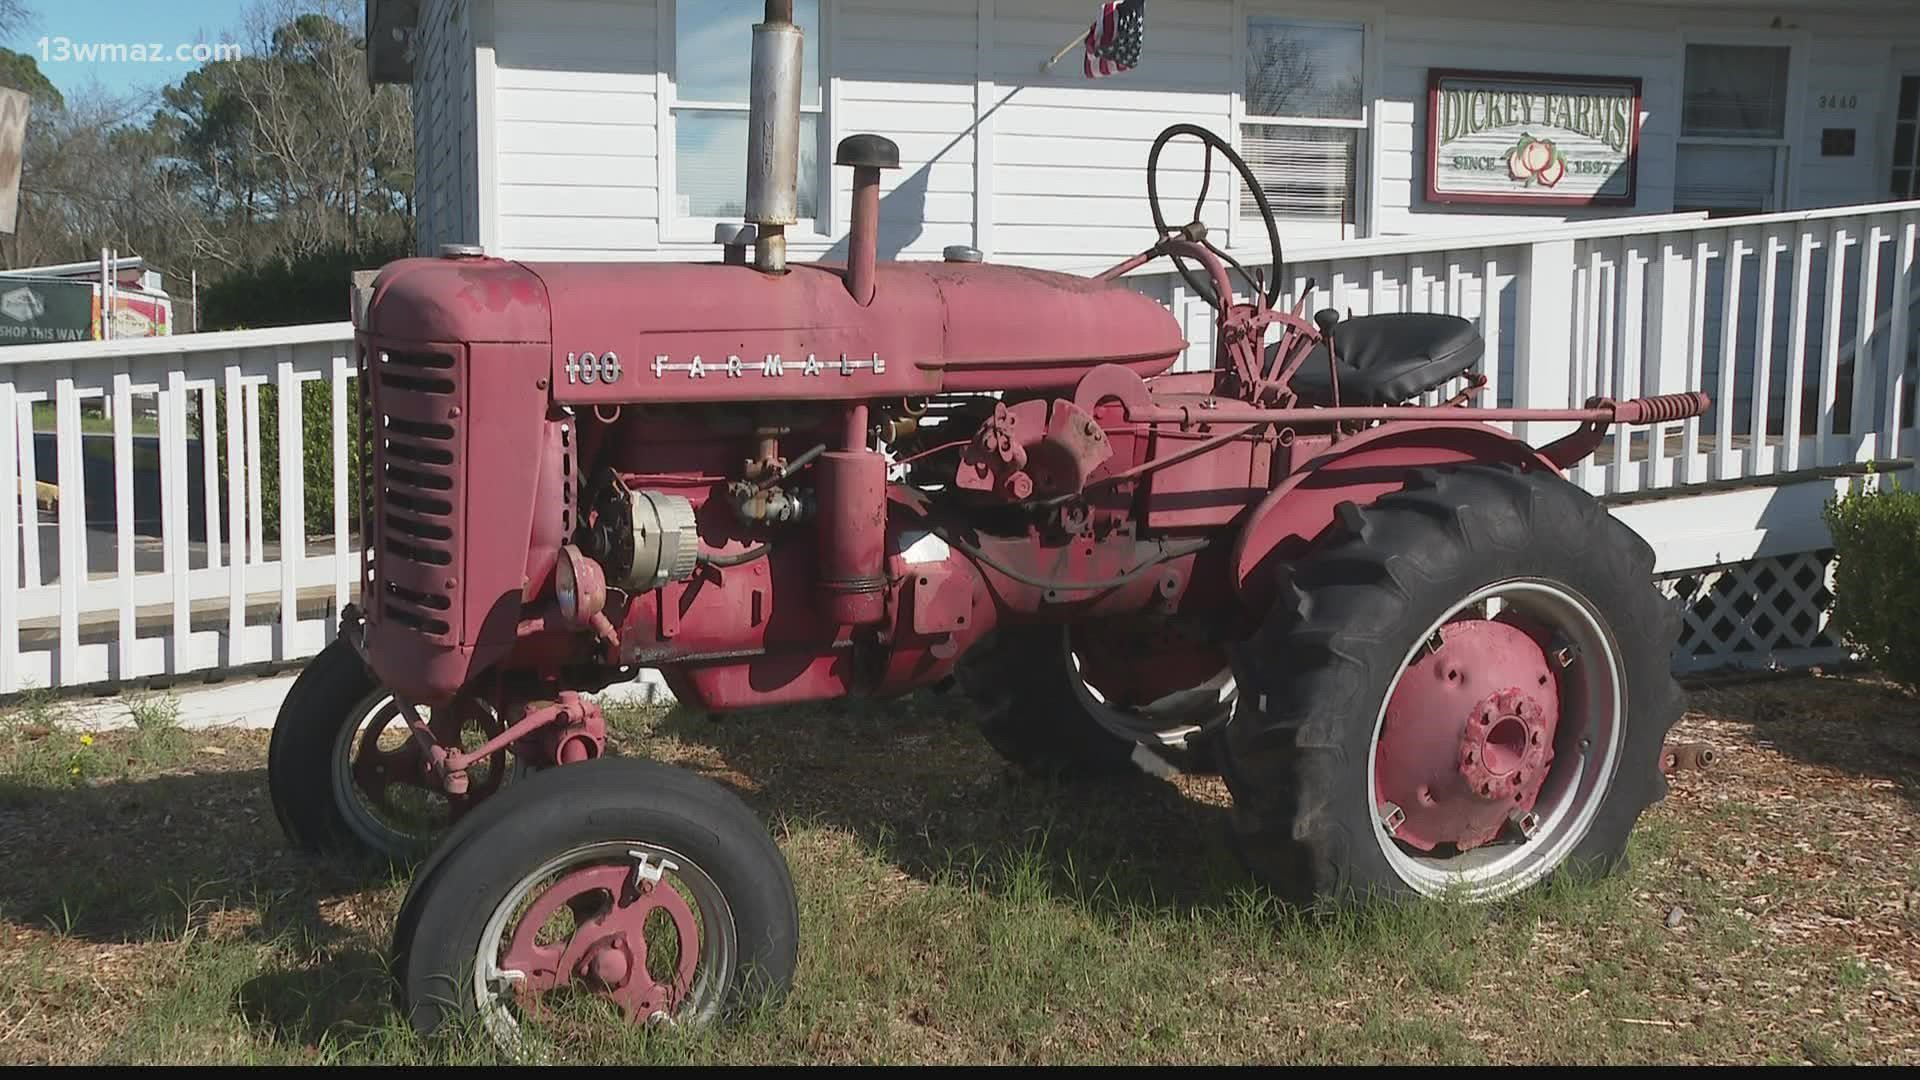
x,y
1496,137
34,311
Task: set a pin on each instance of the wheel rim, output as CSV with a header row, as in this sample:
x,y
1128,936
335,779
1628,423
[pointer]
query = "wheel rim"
x,y
381,782
626,923
1166,721
1497,742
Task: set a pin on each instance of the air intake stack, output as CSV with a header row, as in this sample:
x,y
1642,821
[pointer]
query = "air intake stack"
x,y
773,134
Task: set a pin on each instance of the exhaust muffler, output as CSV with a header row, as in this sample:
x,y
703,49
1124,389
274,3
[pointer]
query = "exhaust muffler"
x,y
773,134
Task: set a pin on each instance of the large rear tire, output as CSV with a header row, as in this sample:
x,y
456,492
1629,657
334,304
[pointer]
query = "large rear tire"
x,y
1463,691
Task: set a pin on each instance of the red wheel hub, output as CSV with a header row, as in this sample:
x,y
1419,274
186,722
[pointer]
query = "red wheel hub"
x,y
375,770
1468,737
607,952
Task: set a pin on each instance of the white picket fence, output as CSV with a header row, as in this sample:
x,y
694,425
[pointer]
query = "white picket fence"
x,y
134,551
97,591
1644,306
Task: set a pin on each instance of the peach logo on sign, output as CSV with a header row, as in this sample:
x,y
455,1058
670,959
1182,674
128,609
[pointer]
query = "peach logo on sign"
x,y
1536,161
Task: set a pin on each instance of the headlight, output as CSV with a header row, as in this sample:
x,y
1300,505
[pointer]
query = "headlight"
x,y
566,584
579,586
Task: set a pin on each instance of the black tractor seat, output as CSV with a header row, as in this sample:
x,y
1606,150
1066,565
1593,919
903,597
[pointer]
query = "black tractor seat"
x,y
1388,359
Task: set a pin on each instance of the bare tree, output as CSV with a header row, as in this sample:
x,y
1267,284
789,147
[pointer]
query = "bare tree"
x,y
288,151
15,16
282,153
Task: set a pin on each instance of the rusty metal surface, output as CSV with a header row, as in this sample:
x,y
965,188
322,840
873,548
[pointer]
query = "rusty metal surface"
x,y
1690,755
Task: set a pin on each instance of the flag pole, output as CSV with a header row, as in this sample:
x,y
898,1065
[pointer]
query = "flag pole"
x,y
1078,39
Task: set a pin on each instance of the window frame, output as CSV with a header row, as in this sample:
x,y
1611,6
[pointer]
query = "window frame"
x,y
1247,234
1905,65
1785,179
677,228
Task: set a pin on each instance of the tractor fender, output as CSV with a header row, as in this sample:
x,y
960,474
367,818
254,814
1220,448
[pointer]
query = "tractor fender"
x,y
1358,469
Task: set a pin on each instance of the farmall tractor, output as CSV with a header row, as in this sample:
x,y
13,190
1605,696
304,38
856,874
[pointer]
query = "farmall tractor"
x,y
1424,662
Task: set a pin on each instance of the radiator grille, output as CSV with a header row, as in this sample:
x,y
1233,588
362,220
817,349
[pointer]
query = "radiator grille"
x,y
413,415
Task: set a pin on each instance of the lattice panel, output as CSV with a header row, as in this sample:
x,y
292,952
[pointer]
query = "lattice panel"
x,y
1767,613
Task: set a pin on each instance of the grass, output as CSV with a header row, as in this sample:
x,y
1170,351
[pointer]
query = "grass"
x,y
954,912
92,420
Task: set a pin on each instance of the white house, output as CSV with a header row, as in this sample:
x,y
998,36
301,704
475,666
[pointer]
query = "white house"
x,y
616,128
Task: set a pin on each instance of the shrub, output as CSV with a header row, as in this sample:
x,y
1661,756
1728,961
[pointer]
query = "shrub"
x,y
1876,538
280,292
316,453
310,289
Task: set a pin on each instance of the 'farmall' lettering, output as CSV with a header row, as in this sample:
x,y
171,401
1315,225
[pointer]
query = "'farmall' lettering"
x,y
773,367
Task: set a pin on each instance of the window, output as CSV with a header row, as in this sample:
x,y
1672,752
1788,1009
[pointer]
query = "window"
x,y
1735,91
1304,120
1733,129
712,55
1906,144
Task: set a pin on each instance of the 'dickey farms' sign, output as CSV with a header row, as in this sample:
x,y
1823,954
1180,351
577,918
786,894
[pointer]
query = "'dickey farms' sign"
x,y
1523,139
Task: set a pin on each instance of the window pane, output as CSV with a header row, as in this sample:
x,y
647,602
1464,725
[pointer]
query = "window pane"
x,y
1724,178
1904,185
1903,148
1735,91
713,48
1307,172
1910,98
710,163
1299,70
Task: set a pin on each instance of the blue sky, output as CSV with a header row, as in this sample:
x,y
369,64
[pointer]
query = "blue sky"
x,y
89,23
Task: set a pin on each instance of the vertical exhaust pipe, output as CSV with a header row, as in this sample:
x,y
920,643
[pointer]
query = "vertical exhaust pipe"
x,y
866,155
773,134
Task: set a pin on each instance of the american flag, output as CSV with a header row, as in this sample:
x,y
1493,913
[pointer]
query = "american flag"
x,y
1113,42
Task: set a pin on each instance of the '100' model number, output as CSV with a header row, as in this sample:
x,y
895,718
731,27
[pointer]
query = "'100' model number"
x,y
591,368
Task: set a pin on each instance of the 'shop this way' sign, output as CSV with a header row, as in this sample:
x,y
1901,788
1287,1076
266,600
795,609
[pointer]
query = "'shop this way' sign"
x,y
1524,139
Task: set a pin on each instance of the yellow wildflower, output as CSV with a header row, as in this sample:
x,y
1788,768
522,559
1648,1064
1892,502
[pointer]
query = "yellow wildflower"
x,y
86,740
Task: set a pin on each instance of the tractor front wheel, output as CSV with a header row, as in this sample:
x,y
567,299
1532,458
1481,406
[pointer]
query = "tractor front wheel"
x,y
346,776
1463,692
615,891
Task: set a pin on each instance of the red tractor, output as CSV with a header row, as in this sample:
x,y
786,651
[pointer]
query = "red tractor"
x,y
1424,661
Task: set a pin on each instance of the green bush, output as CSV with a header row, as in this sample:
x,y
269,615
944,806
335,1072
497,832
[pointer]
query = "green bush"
x,y
311,289
316,453
1876,595
314,288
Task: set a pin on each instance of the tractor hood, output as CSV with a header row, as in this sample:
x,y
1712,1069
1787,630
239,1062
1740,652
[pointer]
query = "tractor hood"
x,y
717,332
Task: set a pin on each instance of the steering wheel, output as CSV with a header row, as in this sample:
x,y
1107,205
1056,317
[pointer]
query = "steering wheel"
x,y
1199,282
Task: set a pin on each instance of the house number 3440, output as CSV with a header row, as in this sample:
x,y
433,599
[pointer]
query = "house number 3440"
x,y
1839,102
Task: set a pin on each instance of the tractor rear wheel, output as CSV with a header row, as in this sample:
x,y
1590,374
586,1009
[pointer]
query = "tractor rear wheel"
x,y
1465,690
1042,706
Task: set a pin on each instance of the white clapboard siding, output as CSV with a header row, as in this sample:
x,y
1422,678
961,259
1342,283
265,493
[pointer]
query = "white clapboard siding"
x,y
552,120
445,127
